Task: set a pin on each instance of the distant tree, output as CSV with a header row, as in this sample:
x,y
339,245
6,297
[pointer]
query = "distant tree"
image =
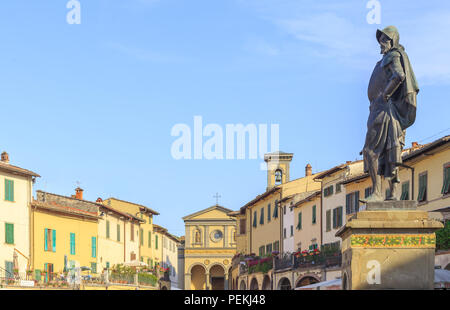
x,y
443,237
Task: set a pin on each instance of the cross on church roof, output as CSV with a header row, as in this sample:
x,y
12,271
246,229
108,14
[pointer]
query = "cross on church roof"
x,y
217,196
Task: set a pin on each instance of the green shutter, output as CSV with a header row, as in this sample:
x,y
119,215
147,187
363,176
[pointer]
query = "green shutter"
x,y
107,229
422,187
328,216
275,210
107,265
255,215
141,236
268,213
299,224
156,241
94,267
54,240
149,239
94,246
118,232
314,214
334,218
446,184
9,190
9,233
405,191
261,218
72,244
46,239
340,210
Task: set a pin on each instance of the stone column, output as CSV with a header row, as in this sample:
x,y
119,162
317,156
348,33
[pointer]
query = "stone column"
x,y
208,285
187,281
390,245
226,282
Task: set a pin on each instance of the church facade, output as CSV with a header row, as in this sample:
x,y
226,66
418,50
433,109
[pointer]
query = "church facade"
x,y
210,244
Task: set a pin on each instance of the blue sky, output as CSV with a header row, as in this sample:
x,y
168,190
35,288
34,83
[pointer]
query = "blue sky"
x,y
95,102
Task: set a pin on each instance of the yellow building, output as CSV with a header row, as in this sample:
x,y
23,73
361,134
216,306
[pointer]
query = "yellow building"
x,y
15,233
64,234
166,255
265,216
140,235
113,237
210,245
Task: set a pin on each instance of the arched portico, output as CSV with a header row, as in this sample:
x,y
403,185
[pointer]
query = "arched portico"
x,y
284,284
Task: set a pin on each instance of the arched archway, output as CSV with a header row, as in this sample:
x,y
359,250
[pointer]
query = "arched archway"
x,y
217,277
242,286
198,278
254,285
266,283
307,280
284,284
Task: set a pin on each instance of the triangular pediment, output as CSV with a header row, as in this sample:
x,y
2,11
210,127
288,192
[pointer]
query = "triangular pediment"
x,y
212,213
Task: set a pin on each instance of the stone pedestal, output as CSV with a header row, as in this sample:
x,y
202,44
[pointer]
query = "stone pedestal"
x,y
390,245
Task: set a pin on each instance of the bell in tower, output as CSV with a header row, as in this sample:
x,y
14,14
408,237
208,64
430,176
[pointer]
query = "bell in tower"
x,y
277,168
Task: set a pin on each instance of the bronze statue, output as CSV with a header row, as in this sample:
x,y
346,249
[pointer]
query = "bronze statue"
x,y
392,94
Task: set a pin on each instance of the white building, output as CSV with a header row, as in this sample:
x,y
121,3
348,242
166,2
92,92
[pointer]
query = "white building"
x,y
16,190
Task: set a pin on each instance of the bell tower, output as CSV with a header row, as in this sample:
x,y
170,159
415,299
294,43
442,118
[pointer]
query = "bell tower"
x,y
277,168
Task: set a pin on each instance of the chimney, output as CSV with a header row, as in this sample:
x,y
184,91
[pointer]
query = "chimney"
x,y
99,200
308,170
5,157
414,145
78,193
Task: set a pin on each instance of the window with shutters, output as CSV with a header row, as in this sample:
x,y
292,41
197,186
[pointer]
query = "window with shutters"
x,y
242,226
299,221
446,182
156,241
9,233
314,214
268,213
337,217
94,247
118,232
261,250
275,209
269,248
132,232
422,187
255,215
368,192
107,230
9,268
284,233
328,220
149,239
338,188
9,190
141,236
276,246
94,267
328,191
72,244
352,203
107,265
50,240
261,218
405,191
292,230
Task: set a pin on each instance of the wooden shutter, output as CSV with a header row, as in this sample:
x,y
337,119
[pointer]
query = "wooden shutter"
x,y
107,229
54,240
268,213
340,211
299,224
356,201
72,243
46,239
446,183
94,247
348,199
314,214
328,216
334,218
9,233
149,239
261,219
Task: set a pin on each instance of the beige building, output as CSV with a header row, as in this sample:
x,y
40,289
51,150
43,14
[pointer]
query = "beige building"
x,y
139,245
169,253
334,198
113,237
210,244
15,203
308,222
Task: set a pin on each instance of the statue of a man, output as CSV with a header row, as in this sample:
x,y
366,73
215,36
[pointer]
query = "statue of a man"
x,y
392,94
